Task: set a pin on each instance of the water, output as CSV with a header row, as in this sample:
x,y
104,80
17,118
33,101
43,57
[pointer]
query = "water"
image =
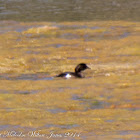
x,y
37,76
69,10
105,103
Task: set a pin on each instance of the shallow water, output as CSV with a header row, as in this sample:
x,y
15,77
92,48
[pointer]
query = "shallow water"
x,y
102,105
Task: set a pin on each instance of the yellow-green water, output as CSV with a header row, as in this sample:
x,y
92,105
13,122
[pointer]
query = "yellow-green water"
x,y
103,105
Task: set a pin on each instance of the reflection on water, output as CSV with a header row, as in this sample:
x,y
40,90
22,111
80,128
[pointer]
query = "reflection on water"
x,y
126,34
61,126
56,110
25,77
14,26
90,103
72,10
18,91
15,128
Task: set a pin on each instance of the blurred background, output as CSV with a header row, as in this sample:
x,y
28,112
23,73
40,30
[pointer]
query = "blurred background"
x,y
73,10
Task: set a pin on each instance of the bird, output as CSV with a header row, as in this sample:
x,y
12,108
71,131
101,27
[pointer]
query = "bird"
x,y
77,74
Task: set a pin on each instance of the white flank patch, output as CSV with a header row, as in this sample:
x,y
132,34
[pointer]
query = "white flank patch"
x,y
68,76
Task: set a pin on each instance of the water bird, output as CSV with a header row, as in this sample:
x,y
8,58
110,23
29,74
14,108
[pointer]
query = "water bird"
x,y
78,72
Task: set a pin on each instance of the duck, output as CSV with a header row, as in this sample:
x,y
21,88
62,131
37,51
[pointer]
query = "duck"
x,y
77,74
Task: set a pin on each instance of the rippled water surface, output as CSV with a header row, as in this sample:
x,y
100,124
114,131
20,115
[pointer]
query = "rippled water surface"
x,y
104,104
104,35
